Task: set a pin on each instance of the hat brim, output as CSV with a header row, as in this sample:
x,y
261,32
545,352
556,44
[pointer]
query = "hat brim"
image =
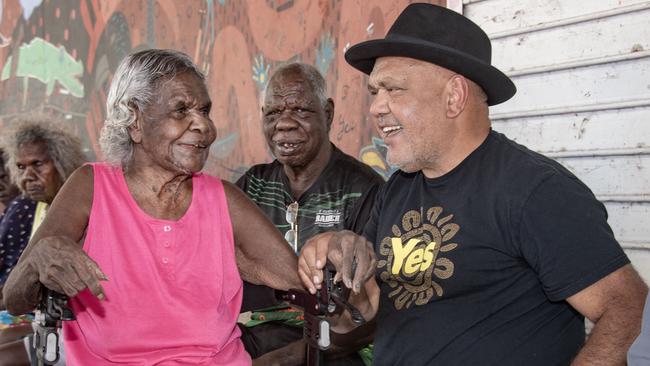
x,y
497,86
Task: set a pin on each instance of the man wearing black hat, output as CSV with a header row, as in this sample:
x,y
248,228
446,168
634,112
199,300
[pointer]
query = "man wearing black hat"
x,y
486,252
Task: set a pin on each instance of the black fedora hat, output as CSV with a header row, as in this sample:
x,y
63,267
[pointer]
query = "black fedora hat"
x,y
443,37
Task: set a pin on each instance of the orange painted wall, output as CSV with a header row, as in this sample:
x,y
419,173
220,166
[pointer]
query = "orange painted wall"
x,y
58,56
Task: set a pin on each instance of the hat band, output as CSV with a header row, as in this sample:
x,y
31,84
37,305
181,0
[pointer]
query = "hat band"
x,y
402,38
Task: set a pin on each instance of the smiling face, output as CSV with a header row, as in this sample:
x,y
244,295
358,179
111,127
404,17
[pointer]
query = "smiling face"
x,y
37,175
175,131
410,108
8,191
295,122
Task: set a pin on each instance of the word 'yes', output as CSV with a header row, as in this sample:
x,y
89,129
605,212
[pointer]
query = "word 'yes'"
x,y
411,259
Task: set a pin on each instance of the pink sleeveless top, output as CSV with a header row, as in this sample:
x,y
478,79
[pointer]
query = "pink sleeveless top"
x,y
173,292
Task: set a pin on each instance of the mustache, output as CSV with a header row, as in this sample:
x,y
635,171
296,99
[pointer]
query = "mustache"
x,y
387,120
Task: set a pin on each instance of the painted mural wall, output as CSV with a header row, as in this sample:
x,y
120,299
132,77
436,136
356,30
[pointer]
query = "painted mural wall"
x,y
58,56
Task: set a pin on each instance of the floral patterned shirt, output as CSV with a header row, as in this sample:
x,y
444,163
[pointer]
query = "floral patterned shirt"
x,y
15,229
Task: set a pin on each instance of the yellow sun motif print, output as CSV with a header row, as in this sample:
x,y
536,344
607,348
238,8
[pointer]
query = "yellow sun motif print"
x,y
412,259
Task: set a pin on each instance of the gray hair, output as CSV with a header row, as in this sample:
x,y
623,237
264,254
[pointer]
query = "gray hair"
x,y
133,87
63,147
311,74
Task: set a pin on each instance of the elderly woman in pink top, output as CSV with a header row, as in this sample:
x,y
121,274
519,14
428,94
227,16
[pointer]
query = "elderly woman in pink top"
x,y
147,247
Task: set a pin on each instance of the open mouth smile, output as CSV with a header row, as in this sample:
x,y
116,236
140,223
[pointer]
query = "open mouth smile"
x,y
195,145
390,130
287,148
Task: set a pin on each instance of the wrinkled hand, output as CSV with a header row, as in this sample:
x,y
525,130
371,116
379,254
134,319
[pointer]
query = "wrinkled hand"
x,y
64,267
342,249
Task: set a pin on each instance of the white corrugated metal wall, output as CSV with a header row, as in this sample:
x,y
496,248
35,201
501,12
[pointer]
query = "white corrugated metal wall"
x,y
582,69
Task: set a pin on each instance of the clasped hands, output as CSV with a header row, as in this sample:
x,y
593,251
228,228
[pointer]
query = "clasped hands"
x,y
63,266
345,250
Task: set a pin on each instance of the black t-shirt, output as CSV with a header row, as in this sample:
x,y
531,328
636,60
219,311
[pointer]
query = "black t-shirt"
x,y
341,198
474,266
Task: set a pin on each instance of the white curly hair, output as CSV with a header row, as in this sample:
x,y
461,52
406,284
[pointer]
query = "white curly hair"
x,y
133,87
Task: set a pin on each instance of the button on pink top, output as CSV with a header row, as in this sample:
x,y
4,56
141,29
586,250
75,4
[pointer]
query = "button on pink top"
x,y
174,291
